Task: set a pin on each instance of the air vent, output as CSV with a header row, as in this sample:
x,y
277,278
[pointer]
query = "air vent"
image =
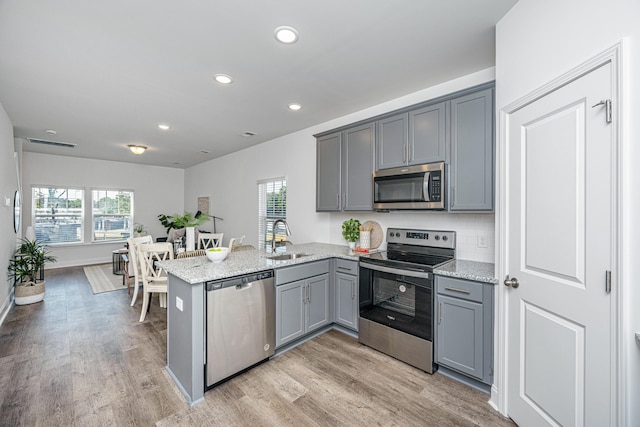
x,y
56,143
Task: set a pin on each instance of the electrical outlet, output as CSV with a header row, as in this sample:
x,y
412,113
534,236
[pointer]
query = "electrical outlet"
x,y
179,303
482,241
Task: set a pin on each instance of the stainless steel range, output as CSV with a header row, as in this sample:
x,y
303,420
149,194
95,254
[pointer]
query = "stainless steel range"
x,y
396,294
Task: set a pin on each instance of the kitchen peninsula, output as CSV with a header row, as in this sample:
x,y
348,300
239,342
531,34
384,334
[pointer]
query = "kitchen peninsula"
x,y
186,313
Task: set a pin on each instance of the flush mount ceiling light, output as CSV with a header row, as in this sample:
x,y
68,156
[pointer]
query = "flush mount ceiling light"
x,y
295,107
286,34
50,131
223,79
164,127
137,149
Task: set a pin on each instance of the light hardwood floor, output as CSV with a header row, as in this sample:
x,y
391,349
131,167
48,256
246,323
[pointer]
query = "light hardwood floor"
x,y
85,360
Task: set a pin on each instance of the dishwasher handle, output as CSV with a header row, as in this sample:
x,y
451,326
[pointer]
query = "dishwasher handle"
x,y
243,280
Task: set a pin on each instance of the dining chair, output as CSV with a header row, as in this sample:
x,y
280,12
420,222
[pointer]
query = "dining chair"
x,y
191,254
209,240
154,277
235,241
134,262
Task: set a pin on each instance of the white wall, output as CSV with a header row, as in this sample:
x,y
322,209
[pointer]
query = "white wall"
x,y
230,182
157,190
537,41
8,186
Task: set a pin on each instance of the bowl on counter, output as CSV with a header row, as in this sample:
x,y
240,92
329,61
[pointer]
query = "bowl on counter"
x,y
217,254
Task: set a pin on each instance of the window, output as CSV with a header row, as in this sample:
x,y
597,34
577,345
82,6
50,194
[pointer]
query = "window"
x,y
58,214
112,214
272,205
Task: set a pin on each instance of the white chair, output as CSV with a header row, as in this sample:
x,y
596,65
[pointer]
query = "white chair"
x,y
154,277
134,262
235,241
209,240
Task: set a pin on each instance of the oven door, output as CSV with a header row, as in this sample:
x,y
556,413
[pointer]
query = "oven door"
x,y
398,298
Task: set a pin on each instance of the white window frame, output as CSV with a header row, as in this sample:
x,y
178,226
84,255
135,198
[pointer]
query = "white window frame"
x,y
266,217
50,219
100,220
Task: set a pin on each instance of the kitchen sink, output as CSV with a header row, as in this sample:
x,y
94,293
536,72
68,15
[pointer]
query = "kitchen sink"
x,y
285,257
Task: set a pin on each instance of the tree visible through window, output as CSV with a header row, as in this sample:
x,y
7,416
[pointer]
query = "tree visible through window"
x,y
272,205
57,214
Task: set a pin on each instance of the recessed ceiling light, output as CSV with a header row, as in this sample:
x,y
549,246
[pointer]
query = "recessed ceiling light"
x,y
286,34
223,79
137,149
295,107
50,131
164,127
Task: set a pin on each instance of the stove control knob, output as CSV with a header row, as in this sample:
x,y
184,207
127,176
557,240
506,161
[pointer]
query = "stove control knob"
x,y
445,238
437,237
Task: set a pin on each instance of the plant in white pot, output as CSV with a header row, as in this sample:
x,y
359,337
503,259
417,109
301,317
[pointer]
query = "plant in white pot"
x,y
139,230
25,267
351,231
188,221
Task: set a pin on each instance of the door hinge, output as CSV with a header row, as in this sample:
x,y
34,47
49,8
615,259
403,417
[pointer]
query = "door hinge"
x,y
607,106
607,281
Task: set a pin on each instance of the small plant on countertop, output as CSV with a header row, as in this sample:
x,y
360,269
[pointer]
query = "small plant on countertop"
x,y
138,228
351,230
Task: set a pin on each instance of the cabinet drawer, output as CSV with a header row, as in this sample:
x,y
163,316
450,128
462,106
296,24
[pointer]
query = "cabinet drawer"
x,y
301,271
347,267
459,288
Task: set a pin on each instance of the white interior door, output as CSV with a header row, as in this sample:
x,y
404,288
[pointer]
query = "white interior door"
x,y
559,213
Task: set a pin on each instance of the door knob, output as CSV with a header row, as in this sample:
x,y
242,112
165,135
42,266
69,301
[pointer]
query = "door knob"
x,y
511,282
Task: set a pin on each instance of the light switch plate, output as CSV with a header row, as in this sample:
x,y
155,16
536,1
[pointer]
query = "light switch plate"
x,y
482,241
179,303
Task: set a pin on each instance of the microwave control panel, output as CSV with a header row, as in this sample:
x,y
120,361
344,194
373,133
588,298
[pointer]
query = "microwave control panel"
x,y
435,186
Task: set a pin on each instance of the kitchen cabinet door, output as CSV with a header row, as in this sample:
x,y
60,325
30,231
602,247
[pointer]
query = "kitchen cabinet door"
x,y
391,142
317,302
346,300
427,139
329,172
357,170
472,151
290,312
460,335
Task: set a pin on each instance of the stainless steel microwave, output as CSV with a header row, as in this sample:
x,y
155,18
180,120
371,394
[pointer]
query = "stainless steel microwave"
x,y
411,187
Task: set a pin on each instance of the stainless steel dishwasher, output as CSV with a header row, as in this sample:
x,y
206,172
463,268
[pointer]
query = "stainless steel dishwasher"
x,y
240,324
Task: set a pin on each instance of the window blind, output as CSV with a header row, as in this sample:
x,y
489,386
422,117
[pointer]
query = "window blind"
x,y
57,214
272,205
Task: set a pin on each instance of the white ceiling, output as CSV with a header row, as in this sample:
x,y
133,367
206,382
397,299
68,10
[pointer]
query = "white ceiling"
x,y
104,74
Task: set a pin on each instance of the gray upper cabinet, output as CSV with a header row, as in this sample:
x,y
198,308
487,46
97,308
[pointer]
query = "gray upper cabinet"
x,y
328,172
344,170
357,168
472,144
392,142
427,134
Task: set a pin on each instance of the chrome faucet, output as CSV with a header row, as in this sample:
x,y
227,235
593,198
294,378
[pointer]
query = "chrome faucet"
x,y
273,232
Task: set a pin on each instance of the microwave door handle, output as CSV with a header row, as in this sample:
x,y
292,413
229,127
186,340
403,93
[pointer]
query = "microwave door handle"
x,y
425,187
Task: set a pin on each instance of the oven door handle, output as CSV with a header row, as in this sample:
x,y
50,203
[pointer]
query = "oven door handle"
x,y
400,272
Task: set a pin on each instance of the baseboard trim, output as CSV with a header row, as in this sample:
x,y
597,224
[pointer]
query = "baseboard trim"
x,y
6,306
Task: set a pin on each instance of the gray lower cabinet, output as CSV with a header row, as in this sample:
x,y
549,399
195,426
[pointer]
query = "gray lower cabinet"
x,y
344,170
346,294
464,327
472,151
302,300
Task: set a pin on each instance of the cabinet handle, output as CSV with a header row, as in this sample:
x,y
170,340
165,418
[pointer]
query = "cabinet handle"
x,y
439,312
462,291
453,196
338,200
344,268
404,153
308,294
409,156
353,290
344,200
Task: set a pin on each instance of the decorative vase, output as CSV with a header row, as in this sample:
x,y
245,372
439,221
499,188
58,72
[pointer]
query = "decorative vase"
x,y
191,238
352,245
365,239
29,293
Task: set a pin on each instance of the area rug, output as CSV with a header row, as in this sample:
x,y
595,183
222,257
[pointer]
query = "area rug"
x,y
102,279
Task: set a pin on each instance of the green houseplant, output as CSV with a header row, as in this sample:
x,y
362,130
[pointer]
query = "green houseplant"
x,y
188,221
351,231
25,267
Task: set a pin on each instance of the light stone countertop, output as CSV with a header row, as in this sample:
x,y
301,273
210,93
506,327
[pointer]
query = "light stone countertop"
x,y
200,269
469,270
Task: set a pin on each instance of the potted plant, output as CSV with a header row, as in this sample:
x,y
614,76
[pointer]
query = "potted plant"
x,y
138,230
351,231
188,221
25,267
